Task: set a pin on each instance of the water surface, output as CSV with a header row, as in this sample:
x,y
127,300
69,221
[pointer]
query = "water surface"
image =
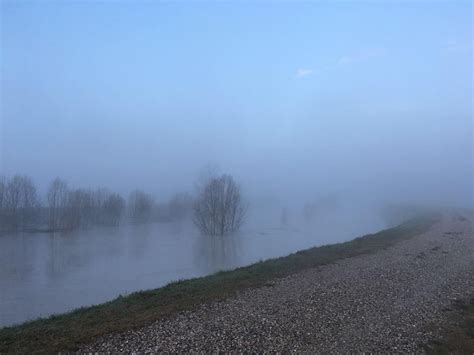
x,y
49,273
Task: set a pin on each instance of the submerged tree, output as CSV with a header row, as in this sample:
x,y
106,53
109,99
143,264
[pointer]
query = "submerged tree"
x,y
218,209
20,202
79,212
57,203
140,206
113,208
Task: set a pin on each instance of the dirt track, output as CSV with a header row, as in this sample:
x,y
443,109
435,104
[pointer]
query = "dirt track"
x,y
388,301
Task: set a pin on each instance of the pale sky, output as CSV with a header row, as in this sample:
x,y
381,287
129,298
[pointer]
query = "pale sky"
x,y
287,96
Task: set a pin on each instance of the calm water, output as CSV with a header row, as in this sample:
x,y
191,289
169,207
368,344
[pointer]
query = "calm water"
x,y
43,274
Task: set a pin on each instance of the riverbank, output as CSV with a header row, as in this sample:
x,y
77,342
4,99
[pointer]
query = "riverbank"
x,y
395,300
70,331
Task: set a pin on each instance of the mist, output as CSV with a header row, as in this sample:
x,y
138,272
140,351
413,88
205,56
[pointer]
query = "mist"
x,y
342,110
145,96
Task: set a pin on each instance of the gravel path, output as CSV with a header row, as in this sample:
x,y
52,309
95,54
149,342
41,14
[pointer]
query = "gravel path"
x,y
386,301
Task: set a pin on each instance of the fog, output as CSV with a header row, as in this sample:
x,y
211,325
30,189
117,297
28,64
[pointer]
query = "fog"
x,y
50,273
368,104
144,96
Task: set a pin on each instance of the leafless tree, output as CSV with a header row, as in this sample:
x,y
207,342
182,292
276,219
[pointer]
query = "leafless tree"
x,y
57,197
113,208
219,209
98,199
21,202
80,210
140,206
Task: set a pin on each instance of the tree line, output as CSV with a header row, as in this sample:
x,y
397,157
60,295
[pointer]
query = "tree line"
x,y
67,208
217,209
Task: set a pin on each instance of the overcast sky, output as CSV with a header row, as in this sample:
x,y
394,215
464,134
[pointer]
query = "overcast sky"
x,y
288,96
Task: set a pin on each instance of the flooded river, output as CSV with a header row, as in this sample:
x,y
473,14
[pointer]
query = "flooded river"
x,y
49,273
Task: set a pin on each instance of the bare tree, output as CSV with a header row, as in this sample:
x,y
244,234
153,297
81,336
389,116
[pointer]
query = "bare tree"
x,y
21,202
98,199
113,208
218,209
72,215
57,197
140,206
81,209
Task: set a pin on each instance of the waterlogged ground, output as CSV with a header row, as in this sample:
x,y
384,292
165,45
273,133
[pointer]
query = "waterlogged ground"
x,y
44,274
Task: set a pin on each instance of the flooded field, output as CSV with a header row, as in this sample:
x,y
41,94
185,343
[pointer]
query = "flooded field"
x,y
43,274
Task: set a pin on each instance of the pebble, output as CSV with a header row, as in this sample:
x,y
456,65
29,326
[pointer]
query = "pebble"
x,y
393,300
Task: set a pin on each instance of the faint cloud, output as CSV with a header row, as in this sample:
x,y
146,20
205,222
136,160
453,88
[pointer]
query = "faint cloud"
x,y
357,57
301,73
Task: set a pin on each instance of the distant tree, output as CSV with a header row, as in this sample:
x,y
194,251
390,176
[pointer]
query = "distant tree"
x,y
113,208
21,202
218,209
57,197
140,206
98,199
73,215
81,209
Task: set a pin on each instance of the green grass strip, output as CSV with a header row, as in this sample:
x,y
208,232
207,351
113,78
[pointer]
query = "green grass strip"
x,y
67,331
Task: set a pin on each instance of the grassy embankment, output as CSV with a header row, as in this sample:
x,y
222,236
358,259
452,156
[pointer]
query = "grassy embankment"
x,y
458,338
68,331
